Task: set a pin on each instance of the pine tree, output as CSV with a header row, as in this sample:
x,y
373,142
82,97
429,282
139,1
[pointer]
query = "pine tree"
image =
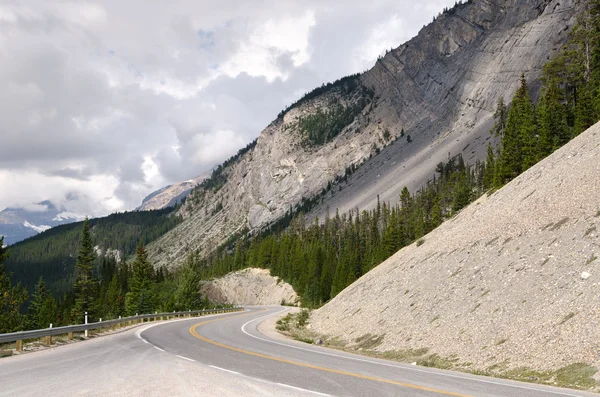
x,y
86,285
11,298
43,309
187,295
518,142
141,299
490,169
500,116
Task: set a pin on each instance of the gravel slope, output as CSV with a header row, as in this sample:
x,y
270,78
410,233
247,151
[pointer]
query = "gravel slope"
x,y
514,279
249,287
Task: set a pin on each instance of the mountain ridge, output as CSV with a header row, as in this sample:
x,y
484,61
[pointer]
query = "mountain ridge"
x,y
418,111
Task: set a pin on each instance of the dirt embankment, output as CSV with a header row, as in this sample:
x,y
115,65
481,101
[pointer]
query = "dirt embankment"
x,y
250,287
513,280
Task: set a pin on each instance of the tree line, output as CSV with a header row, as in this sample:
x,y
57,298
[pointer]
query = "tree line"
x,y
568,104
102,288
52,254
322,258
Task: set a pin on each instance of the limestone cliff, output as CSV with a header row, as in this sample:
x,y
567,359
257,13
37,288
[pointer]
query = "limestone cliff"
x,y
440,89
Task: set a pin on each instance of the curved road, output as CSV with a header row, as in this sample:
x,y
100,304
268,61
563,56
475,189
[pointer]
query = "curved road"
x,y
225,355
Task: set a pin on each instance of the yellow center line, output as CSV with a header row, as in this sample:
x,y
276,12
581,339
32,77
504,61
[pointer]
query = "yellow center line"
x,y
311,366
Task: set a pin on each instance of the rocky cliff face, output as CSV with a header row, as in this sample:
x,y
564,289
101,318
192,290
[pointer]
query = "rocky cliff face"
x,y
171,195
513,280
440,89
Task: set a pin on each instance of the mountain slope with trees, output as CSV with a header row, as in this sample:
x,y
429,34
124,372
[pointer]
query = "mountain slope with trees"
x,y
429,99
52,254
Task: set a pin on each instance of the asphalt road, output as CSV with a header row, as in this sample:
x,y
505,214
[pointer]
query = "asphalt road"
x,y
225,355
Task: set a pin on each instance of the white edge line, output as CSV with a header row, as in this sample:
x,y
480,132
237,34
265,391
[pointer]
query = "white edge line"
x,y
408,368
158,348
185,358
223,369
301,389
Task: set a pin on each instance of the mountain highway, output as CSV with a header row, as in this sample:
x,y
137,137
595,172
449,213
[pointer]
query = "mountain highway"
x,y
226,355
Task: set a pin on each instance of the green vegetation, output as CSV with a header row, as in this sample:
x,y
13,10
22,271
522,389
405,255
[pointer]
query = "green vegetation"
x,y
53,253
141,297
103,288
568,104
321,127
11,298
86,285
319,260
344,86
218,178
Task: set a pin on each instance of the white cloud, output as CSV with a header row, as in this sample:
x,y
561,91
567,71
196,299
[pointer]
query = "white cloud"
x,y
104,102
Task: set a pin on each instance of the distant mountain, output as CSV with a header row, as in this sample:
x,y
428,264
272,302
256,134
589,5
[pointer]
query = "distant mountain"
x,y
171,195
17,224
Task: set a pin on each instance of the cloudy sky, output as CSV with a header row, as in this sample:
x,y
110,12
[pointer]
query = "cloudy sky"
x,y
104,102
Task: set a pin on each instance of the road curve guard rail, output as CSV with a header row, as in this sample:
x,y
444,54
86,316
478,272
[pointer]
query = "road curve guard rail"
x,y
48,333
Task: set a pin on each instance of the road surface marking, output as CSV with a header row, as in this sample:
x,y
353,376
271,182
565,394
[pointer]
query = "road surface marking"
x,y
403,367
223,369
185,358
158,348
319,368
303,390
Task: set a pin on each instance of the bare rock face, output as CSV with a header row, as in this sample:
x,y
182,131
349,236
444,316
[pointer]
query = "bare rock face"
x,y
249,287
514,278
171,195
441,88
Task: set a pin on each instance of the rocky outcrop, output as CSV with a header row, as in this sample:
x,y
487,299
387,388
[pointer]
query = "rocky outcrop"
x,y
440,88
249,287
171,195
513,280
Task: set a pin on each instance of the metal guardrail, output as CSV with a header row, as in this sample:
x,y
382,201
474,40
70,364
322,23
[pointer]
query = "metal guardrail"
x,y
70,329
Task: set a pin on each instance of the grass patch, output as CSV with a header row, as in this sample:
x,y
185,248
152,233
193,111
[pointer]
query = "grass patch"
x,y
476,307
420,242
456,272
501,341
5,353
434,319
405,355
283,324
577,376
368,341
303,339
591,259
590,230
487,291
436,361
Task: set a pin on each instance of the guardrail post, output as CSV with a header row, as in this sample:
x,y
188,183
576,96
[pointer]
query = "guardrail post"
x,y
120,323
155,315
19,347
49,337
70,336
86,331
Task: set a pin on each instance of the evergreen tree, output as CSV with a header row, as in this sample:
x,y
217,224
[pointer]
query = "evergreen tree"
x,y
187,295
114,300
11,298
518,142
86,285
43,309
140,299
500,116
490,169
